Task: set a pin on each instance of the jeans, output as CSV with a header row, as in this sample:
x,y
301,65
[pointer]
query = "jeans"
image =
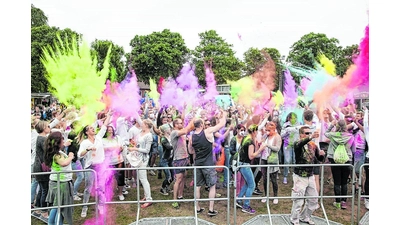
x,y
89,182
34,186
227,172
249,185
79,175
53,217
168,176
42,194
288,158
340,175
160,153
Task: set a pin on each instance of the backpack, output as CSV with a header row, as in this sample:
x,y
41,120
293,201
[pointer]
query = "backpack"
x,y
340,155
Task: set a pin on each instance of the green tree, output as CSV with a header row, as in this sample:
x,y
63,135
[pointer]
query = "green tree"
x,y
157,54
100,48
38,18
254,59
346,58
304,52
216,51
41,37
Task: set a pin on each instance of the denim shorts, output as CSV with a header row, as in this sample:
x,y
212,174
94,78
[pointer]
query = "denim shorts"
x,y
359,159
180,162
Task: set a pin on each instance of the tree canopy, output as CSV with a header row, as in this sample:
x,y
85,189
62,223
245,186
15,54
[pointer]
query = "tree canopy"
x,y
159,54
100,48
38,18
43,36
218,53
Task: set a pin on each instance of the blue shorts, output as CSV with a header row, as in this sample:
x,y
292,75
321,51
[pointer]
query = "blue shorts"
x,y
359,159
180,162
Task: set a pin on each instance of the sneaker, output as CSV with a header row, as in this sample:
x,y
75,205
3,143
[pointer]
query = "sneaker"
x,y
169,190
79,194
164,191
366,203
84,212
284,180
248,210
181,197
309,221
343,205
257,192
239,204
152,173
127,186
336,204
175,205
212,213
77,198
125,192
264,200
275,201
200,210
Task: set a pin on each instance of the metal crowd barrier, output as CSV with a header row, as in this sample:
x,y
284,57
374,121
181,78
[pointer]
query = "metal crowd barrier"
x,y
321,197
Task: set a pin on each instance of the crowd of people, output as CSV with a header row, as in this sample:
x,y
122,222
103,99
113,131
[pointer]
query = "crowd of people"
x,y
196,136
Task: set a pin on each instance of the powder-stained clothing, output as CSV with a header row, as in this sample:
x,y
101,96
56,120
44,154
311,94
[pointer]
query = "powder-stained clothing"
x,y
305,152
179,144
65,187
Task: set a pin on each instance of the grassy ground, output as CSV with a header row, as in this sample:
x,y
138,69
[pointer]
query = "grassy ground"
x,y
125,213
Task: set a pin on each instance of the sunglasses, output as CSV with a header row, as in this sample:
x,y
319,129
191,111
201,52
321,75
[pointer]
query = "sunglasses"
x,y
207,124
307,133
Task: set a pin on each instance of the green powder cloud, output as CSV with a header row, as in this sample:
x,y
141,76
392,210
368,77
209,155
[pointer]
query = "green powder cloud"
x,y
73,77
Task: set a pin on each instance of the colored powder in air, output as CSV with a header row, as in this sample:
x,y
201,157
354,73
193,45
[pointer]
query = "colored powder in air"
x,y
74,78
290,92
154,94
327,64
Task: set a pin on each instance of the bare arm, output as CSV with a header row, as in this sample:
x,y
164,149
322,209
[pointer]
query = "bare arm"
x,y
253,151
187,129
62,161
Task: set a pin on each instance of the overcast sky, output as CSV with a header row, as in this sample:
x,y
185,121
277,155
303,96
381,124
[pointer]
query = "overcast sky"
x,y
263,23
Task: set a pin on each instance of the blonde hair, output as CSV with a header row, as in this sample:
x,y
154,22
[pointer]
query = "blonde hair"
x,y
41,126
34,121
164,128
148,123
